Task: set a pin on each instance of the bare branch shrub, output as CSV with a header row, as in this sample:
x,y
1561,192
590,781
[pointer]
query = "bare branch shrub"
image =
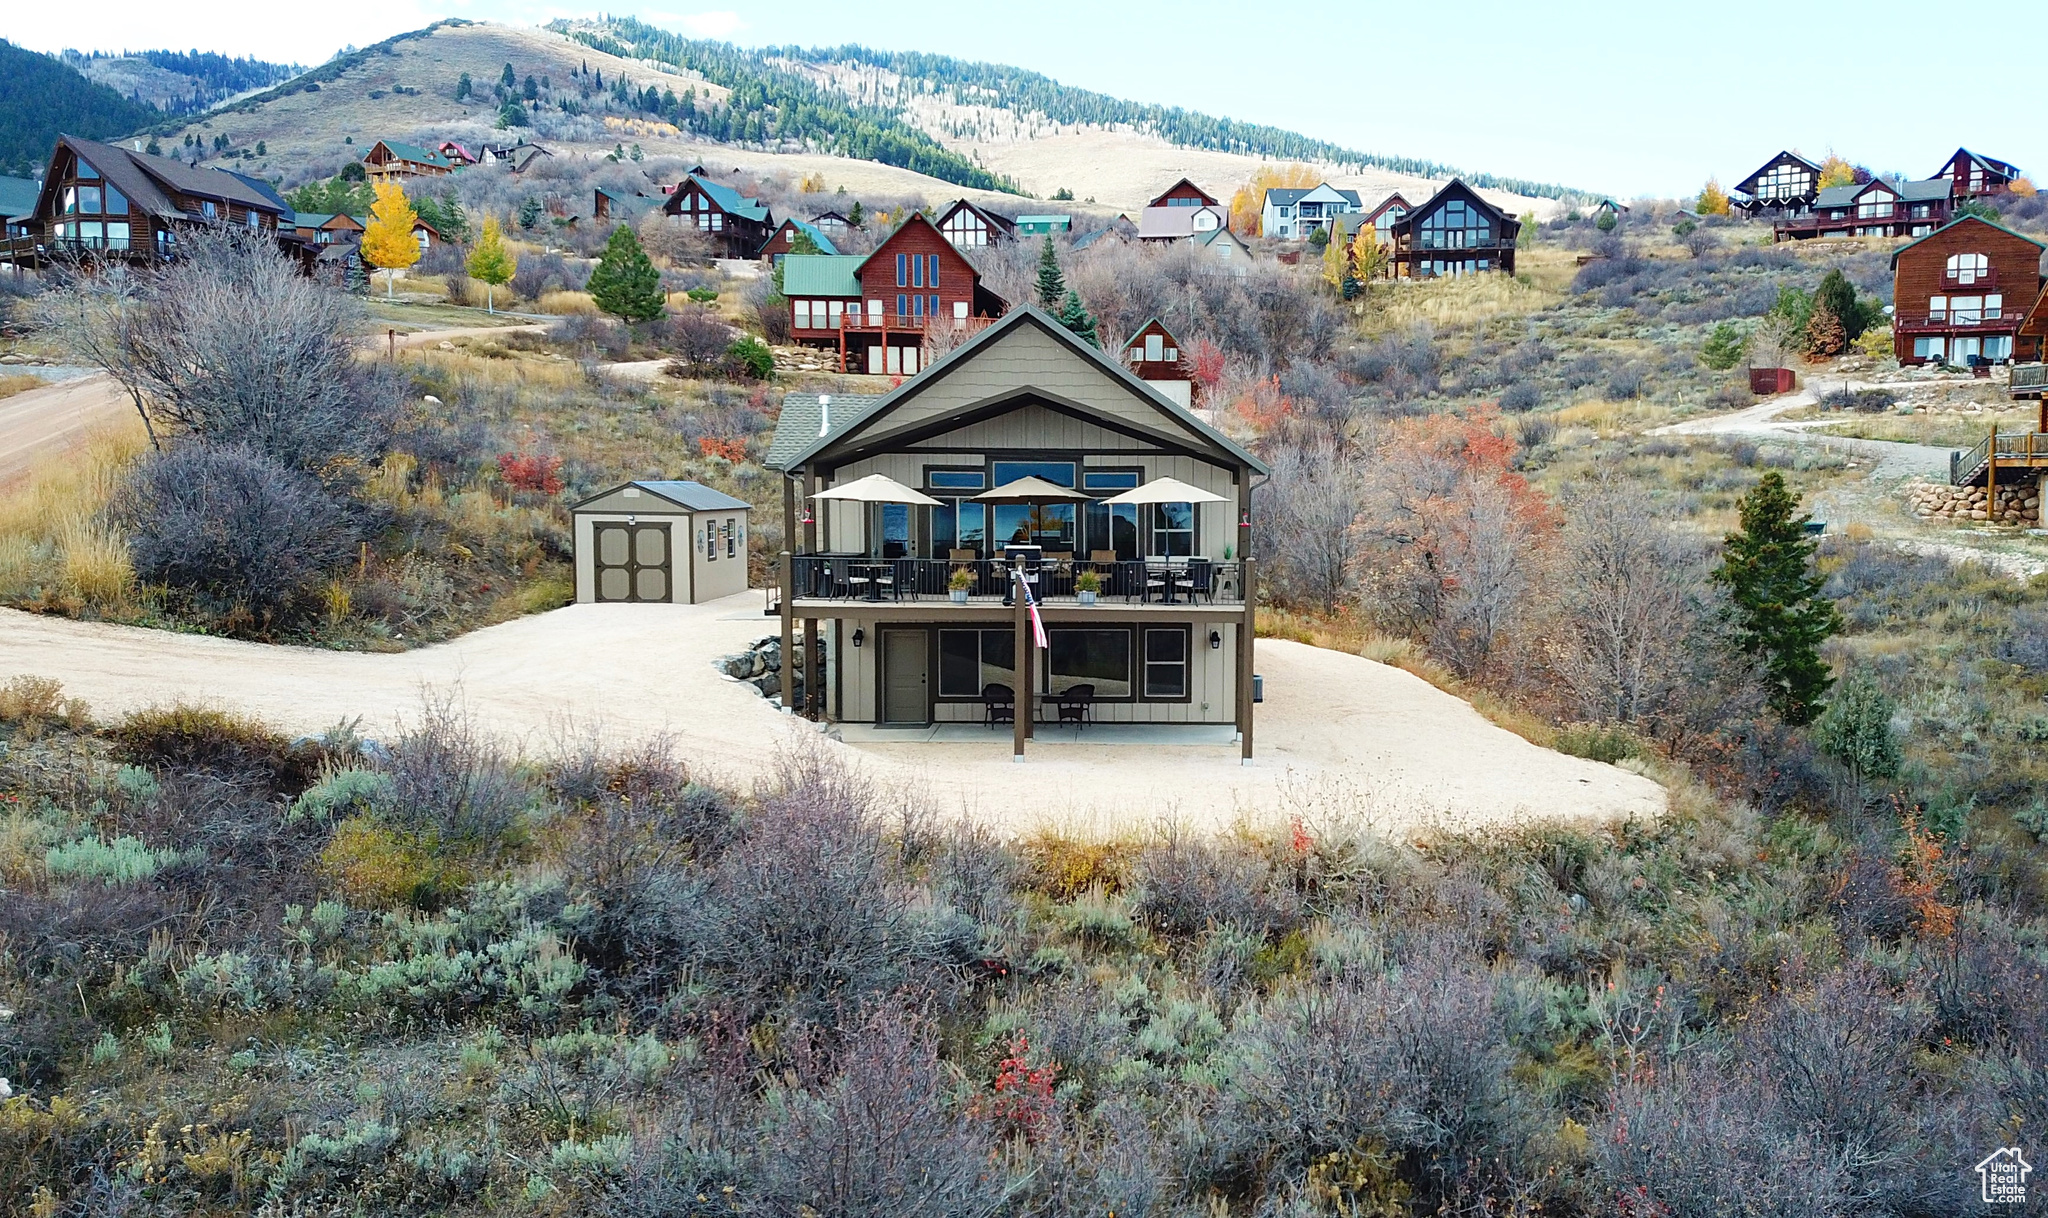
x,y
1313,499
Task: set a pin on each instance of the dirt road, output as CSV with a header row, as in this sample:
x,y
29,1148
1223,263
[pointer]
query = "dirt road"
x,y
1338,735
42,422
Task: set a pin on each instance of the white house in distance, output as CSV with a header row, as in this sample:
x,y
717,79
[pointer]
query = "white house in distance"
x,y
1292,213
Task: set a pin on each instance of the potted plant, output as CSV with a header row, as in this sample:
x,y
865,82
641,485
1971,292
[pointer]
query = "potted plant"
x,y
1086,585
959,584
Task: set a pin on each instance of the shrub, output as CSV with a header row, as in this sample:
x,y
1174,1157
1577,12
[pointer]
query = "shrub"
x,y
750,357
125,860
1185,884
1608,744
536,472
452,787
182,736
27,698
342,793
378,867
232,528
1520,397
698,338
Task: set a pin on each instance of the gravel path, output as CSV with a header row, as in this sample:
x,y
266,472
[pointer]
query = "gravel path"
x,y
1337,736
58,417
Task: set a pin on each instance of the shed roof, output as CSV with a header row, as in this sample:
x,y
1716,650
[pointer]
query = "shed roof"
x,y
691,496
822,274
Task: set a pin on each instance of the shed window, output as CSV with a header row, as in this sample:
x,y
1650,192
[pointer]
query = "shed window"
x,y
732,538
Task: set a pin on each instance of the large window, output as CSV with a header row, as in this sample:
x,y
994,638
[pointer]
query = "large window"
x,y
970,659
1099,657
1051,525
1784,182
895,529
1059,473
1112,526
1968,268
958,523
1166,662
1456,225
1173,530
1873,206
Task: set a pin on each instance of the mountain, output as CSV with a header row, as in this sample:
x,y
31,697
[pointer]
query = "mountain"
x,y
179,82
949,111
41,96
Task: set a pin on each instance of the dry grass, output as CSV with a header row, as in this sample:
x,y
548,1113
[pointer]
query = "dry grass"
x,y
1942,430
1444,303
1608,419
11,385
567,302
53,543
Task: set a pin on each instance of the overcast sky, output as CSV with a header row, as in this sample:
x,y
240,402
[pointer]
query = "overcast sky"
x,y
1627,99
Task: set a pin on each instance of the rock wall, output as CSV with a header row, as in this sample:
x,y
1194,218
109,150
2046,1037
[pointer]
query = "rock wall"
x,y
761,667
2018,502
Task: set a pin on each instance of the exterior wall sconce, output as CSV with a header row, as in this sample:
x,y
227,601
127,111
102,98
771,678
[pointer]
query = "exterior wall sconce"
x,y
1215,640
632,520
859,636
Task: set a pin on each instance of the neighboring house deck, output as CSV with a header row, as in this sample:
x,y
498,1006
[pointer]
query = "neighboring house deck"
x,y
905,606
881,311
1880,207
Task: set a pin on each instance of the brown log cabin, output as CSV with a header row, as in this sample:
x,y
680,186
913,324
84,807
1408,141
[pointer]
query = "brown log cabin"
x,y
1156,357
105,201
1456,232
1787,182
1960,294
1880,207
878,310
390,161
968,226
737,225
1976,176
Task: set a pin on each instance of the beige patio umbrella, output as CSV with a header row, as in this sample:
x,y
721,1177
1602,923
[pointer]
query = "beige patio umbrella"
x,y
876,488
1030,490
1166,490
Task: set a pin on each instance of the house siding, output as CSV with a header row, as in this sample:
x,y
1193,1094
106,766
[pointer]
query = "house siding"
x,y
2013,260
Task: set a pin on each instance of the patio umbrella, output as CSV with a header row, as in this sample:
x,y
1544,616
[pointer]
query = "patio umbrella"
x,y
1166,490
876,488
1029,490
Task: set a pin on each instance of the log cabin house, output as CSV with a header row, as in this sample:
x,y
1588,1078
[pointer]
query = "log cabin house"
x,y
106,201
1786,182
1975,176
914,629
1456,232
1877,208
737,225
832,224
878,309
392,161
783,241
969,226
321,228
1960,294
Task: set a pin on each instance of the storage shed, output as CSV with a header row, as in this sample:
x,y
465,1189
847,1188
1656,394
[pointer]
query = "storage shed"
x,y
674,543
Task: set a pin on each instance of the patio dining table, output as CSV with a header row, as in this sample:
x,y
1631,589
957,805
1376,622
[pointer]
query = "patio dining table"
x,y
874,572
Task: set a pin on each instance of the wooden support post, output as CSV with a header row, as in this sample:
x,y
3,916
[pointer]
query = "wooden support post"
x,y
1021,729
788,633
1991,478
1247,630
813,662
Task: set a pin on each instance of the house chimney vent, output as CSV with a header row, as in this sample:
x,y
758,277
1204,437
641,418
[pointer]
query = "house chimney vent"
x,y
824,415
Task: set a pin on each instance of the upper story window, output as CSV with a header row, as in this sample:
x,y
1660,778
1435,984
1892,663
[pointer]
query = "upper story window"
x,y
1456,225
1784,182
208,209
1204,221
1968,268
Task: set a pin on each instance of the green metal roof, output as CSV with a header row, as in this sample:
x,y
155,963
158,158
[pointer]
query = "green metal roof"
x,y
732,201
1045,220
413,152
1963,220
822,275
817,236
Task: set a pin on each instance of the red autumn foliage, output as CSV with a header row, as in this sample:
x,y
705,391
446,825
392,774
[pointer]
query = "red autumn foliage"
x,y
1207,359
1021,1100
731,450
531,472
1263,405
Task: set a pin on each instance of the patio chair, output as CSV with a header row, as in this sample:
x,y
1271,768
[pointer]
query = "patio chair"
x,y
998,704
1198,578
839,580
1077,705
890,578
1158,578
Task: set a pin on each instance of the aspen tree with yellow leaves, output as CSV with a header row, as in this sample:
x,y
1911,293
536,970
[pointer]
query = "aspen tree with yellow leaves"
x,y
388,243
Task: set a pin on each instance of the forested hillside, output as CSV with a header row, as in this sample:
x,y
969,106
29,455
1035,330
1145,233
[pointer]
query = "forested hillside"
x,y
40,96
770,105
178,82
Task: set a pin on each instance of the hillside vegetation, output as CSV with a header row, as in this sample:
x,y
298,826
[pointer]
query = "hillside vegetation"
x,y
179,82
41,97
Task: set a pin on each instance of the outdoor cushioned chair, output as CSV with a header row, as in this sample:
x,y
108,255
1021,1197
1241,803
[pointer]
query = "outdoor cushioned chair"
x,y
998,704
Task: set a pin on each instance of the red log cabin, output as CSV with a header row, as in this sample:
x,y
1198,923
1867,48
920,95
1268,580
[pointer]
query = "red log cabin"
x,y
1975,176
878,309
1960,294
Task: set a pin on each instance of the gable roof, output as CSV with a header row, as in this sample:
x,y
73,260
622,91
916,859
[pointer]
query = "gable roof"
x,y
808,444
1456,187
1220,233
994,219
411,152
1839,196
1964,220
1151,323
798,425
1208,199
810,230
1925,189
730,201
1392,200
694,496
1085,240
1288,196
1174,223
152,182
1767,166
1992,163
822,274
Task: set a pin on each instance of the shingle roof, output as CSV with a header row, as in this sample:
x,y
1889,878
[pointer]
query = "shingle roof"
x,y
1839,196
1288,196
822,274
797,429
1929,188
148,180
731,201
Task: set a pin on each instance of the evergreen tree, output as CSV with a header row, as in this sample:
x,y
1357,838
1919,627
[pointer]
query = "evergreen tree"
x,y
463,88
1723,348
155,149
492,263
529,213
507,78
1857,730
1825,334
1051,284
1839,296
1780,616
625,283
1076,318
855,216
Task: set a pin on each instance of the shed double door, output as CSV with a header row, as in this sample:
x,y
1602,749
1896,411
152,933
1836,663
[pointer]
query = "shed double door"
x,y
906,665
635,562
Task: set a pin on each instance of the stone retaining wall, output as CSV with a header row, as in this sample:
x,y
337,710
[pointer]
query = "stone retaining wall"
x,y
2018,503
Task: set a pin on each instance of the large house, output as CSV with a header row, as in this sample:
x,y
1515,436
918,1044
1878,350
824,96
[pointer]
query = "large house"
x,y
1960,294
1013,449
392,161
737,225
107,201
877,309
1382,216
969,226
1293,213
1877,208
1181,212
1455,233
1786,182
1975,176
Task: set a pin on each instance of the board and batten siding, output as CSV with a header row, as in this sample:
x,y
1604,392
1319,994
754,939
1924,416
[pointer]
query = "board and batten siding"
x,y
1212,678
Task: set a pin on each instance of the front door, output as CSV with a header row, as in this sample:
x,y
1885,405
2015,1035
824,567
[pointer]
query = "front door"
x,y
633,561
905,660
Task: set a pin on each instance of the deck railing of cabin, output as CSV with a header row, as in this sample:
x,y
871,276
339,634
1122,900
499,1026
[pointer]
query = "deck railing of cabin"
x,y
1054,581
1990,319
2025,447
2029,378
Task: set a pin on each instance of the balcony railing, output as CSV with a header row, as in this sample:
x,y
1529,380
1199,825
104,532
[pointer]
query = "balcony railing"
x,y
894,323
990,582
1982,281
1930,323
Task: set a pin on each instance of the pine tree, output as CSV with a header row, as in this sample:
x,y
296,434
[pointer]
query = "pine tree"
x,y
1839,295
388,241
1857,730
1779,614
1723,348
529,213
855,216
1051,284
1075,317
1824,333
625,283
507,78
463,87
492,263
